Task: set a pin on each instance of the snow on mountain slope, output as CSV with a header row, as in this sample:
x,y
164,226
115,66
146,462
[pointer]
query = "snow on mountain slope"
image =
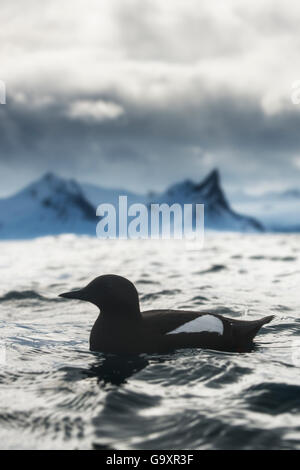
x,y
218,213
51,205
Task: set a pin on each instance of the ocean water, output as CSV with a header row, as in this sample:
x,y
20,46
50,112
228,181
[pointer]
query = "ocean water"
x,y
55,394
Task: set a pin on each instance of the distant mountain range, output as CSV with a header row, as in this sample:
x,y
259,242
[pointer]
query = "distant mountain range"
x,y
54,205
277,211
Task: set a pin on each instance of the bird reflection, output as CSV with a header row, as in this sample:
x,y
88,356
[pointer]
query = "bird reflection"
x,y
115,370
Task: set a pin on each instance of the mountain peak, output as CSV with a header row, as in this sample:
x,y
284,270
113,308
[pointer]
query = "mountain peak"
x,y
218,213
210,187
49,175
213,178
214,175
49,178
51,183
56,197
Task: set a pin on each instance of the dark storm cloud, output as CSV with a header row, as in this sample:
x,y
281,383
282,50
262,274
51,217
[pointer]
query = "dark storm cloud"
x,y
161,141
141,94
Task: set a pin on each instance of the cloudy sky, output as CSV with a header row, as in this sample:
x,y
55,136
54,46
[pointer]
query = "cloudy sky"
x,y
143,93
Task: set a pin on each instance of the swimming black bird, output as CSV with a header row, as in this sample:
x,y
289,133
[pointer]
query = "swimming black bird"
x,y
122,328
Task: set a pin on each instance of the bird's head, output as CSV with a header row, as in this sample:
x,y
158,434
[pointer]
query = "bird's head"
x,y
111,293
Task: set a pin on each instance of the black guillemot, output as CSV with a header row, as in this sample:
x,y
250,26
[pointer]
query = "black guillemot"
x,y
121,327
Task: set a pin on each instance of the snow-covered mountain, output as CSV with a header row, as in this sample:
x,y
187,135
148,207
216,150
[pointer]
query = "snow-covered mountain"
x,y
50,205
53,205
218,213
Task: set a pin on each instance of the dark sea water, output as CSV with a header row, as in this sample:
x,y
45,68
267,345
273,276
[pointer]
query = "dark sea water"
x,y
54,393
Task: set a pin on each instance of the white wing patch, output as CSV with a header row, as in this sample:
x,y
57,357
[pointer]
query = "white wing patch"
x,y
204,323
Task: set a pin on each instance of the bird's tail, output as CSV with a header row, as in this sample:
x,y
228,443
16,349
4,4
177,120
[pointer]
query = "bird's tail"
x,y
247,330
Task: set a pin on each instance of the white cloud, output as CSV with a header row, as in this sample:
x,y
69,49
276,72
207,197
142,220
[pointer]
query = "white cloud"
x,y
94,110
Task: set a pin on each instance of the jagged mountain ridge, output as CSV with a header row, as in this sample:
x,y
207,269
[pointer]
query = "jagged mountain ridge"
x,y
54,205
218,213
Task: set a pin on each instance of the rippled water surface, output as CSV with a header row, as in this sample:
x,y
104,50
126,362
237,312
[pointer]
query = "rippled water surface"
x,y
54,393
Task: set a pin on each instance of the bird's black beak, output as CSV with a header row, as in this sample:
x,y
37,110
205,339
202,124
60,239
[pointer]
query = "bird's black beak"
x,y
75,294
